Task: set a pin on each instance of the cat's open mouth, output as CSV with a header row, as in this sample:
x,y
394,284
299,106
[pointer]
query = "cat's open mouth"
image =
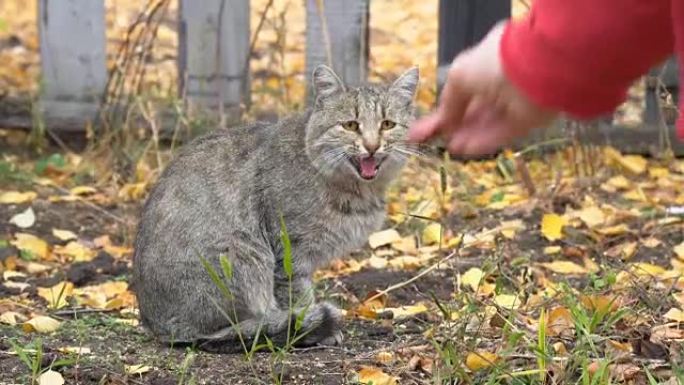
x,y
367,165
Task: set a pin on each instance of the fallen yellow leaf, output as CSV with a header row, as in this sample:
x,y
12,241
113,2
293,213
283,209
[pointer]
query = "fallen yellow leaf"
x,y
82,190
509,228
377,262
432,234
383,238
653,242
623,251
76,251
507,301
679,250
674,314
550,250
405,245
592,216
406,311
559,323
473,278
11,318
34,245
56,296
50,377
635,164
133,191
480,360
406,262
41,324
658,172
552,226
371,375
370,309
600,303
16,197
614,230
384,358
63,235
643,269
619,182
679,298
560,349
564,267
137,369
75,350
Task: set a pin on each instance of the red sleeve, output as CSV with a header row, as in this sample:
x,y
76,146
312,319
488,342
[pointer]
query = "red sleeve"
x,y
580,56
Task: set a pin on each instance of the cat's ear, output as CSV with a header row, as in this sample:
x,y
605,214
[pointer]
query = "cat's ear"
x,y
405,86
326,82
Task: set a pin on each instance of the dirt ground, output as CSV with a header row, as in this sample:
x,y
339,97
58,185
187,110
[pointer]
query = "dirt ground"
x,y
434,345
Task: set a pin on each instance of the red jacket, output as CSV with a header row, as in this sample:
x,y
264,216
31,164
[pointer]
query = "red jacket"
x,y
580,56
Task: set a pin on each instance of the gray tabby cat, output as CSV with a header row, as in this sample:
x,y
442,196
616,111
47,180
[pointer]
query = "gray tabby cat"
x,y
324,171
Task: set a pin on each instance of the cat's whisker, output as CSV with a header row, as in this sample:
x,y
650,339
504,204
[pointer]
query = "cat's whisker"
x,y
408,151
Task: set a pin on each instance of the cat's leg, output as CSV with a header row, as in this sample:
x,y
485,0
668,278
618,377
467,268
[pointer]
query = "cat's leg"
x,y
252,287
297,295
298,292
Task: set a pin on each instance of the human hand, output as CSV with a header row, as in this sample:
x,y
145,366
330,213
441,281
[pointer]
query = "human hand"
x,y
479,109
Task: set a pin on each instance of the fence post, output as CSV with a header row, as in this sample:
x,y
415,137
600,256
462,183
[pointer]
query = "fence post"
x,y
73,61
463,23
213,66
337,35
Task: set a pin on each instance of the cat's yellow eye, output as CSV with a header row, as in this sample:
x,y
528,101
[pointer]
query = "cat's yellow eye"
x,y
351,125
387,125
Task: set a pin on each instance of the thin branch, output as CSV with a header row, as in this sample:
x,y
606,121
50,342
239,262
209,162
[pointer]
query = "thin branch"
x,y
326,33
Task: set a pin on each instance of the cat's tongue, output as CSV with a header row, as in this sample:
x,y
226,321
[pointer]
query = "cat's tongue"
x,y
368,166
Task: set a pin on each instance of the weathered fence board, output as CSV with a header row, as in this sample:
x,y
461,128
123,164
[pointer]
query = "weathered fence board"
x,y
337,35
73,61
463,23
213,53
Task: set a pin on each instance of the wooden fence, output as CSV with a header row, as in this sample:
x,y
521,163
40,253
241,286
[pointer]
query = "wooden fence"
x,y
214,49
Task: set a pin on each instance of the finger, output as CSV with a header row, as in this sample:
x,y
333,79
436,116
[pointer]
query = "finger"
x,y
423,129
454,100
494,136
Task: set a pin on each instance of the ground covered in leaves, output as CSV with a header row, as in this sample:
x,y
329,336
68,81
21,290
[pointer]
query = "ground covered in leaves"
x,y
558,267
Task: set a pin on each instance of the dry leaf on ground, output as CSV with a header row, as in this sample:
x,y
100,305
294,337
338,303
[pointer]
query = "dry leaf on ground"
x,y
383,238
24,219
41,324
32,244
372,375
564,267
16,197
50,377
479,360
552,226
64,235
675,314
137,369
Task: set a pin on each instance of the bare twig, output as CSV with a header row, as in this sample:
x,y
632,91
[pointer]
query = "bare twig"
x,y
326,33
252,45
417,276
89,204
521,166
218,65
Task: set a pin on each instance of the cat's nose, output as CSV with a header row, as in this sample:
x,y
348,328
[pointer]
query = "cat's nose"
x,y
371,147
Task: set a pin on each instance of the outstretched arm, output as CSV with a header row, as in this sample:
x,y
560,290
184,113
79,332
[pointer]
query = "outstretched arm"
x,y
577,57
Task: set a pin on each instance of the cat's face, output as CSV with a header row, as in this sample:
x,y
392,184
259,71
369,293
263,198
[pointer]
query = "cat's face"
x,y
361,132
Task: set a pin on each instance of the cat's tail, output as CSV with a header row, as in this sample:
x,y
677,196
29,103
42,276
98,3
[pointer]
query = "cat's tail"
x,y
318,324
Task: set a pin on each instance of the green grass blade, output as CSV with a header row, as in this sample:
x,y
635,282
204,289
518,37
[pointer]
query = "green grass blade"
x,y
287,248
